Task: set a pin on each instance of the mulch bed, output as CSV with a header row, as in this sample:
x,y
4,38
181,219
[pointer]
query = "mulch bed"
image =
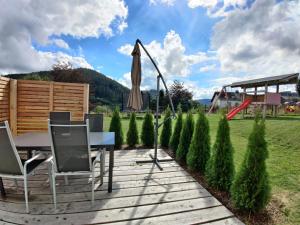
x,y
270,216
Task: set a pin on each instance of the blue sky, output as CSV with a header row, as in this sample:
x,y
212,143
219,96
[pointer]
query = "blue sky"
x,y
204,44
147,22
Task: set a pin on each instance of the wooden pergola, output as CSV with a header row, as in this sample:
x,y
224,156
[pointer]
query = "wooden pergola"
x,y
269,98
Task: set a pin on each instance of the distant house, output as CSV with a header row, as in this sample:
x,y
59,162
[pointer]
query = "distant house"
x,y
230,99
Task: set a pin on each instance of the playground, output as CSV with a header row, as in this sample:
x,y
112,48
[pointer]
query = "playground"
x,y
263,94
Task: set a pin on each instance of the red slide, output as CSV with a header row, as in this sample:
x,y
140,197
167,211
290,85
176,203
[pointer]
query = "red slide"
x,y
235,110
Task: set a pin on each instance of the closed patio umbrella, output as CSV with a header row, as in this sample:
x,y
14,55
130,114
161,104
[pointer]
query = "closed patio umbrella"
x,y
135,97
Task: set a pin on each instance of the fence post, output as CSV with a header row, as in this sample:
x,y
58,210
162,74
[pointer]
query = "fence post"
x,y
86,99
51,96
13,106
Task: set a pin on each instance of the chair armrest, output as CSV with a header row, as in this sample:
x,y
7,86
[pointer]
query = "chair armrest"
x,y
49,160
32,159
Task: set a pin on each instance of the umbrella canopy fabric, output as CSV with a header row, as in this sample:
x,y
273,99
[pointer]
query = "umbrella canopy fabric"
x,y
135,97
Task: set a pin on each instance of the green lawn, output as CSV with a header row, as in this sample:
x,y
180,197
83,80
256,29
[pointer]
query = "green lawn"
x,y
283,163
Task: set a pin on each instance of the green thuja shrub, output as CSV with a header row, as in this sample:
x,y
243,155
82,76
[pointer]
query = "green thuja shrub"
x,y
220,167
116,126
250,190
147,136
185,138
132,134
166,130
199,150
174,142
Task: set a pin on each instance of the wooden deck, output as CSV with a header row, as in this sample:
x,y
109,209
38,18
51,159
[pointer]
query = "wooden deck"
x,y
142,194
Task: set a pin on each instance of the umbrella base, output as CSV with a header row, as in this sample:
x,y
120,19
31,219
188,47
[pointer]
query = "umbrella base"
x,y
155,161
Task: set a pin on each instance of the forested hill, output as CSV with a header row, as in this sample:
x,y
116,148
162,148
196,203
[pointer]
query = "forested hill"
x,y
102,88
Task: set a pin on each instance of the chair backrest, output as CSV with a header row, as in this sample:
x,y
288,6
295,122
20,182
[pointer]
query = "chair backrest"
x,y
60,117
95,122
10,162
70,147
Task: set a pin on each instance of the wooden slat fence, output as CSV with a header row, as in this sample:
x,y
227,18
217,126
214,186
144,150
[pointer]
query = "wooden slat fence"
x,y
31,101
4,98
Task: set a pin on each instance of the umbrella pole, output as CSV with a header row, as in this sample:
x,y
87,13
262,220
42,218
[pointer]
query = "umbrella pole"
x,y
154,158
156,119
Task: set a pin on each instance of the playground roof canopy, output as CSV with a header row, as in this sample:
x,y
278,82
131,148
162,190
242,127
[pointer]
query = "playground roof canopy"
x,y
274,80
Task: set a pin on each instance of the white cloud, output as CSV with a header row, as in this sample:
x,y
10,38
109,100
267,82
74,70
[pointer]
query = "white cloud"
x,y
172,60
122,26
26,21
200,92
170,56
125,80
216,8
208,68
126,49
202,3
60,43
166,2
260,41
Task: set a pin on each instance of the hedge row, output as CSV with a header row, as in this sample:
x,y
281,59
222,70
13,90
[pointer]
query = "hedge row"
x,y
249,189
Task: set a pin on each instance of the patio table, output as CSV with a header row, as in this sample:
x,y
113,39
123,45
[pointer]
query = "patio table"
x,y
41,142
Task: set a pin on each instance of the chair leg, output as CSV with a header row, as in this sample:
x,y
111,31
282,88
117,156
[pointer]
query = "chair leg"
x,y
103,163
33,154
102,167
53,188
26,193
50,178
93,186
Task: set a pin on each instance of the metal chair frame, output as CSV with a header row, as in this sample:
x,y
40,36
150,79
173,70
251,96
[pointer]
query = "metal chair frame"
x,y
87,116
53,171
23,168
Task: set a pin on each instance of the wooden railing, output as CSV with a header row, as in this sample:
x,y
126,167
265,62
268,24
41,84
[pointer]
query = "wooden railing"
x,y
27,103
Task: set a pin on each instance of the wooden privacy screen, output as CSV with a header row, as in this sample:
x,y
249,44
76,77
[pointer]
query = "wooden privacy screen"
x,y
4,98
31,101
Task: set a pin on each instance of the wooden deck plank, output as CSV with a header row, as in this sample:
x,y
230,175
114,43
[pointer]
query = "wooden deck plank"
x,y
104,204
102,194
115,215
200,216
229,221
85,180
170,181
142,194
129,171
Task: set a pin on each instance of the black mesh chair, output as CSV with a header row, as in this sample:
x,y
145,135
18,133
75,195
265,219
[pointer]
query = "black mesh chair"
x,y
71,153
11,165
96,125
60,117
95,122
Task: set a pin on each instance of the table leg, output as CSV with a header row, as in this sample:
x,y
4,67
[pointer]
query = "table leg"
x,y
111,166
2,190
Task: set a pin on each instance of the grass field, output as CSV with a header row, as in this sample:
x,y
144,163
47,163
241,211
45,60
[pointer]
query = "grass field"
x,y
283,164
